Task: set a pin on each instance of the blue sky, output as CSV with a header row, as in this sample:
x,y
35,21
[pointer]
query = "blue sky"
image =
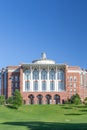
x,y
57,27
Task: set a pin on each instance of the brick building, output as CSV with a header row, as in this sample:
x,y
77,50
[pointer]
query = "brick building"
x,y
44,81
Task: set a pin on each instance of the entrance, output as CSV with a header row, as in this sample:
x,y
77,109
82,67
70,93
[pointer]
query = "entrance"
x,y
57,99
48,97
31,99
39,99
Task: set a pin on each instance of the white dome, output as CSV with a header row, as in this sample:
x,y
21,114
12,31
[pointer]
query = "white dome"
x,y
43,60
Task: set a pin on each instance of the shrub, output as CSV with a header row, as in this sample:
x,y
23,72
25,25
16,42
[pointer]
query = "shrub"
x,y
85,101
2,100
75,99
10,100
17,99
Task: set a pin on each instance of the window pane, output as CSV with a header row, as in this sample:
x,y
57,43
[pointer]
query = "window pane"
x,y
27,86
60,75
44,74
27,75
60,86
52,85
52,74
35,74
35,86
43,86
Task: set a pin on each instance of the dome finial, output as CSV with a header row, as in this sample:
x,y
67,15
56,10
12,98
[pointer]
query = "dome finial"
x,y
43,56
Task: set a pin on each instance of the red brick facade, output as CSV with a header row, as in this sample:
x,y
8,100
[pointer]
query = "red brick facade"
x,y
75,82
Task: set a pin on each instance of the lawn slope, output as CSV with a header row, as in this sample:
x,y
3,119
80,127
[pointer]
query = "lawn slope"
x,y
44,117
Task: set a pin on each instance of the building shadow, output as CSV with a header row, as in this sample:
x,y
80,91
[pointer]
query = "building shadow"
x,y
74,114
49,125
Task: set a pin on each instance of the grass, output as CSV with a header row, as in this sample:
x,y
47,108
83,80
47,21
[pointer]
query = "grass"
x,y
44,117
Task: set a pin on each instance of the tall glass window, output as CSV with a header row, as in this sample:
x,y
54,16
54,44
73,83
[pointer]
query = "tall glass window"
x,y
61,86
43,86
52,86
16,78
60,75
27,86
35,74
35,86
52,74
27,75
44,75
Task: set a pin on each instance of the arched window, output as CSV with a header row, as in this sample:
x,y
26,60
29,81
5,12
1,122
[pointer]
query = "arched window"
x,y
43,85
35,74
44,74
27,75
52,74
60,75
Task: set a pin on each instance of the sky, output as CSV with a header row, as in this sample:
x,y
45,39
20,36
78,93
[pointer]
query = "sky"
x,y
56,27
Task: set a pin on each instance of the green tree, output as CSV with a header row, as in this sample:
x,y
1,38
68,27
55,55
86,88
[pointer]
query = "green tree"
x,y
75,99
17,99
2,99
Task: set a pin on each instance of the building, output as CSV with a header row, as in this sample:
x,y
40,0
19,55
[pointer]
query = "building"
x,y
44,81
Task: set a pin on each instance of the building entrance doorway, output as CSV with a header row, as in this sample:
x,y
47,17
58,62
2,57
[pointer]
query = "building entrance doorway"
x,y
39,99
48,99
31,99
57,99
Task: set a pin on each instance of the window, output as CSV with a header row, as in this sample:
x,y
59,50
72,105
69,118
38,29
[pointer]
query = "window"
x,y
12,84
71,78
70,90
60,75
44,75
27,86
52,86
35,86
52,74
74,90
75,78
16,77
35,74
27,75
43,86
70,84
74,85
60,86
16,85
12,78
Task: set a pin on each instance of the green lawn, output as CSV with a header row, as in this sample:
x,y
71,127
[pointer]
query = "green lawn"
x,y
44,117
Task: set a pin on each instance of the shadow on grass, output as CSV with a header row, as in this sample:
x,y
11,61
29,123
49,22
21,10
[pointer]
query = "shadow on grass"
x,y
49,125
75,114
11,107
66,107
83,110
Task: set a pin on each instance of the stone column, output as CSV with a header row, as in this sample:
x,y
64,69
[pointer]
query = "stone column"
x,y
31,82
21,80
48,82
39,81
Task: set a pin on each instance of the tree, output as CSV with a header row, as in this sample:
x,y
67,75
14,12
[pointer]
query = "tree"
x,y
2,100
75,99
17,99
